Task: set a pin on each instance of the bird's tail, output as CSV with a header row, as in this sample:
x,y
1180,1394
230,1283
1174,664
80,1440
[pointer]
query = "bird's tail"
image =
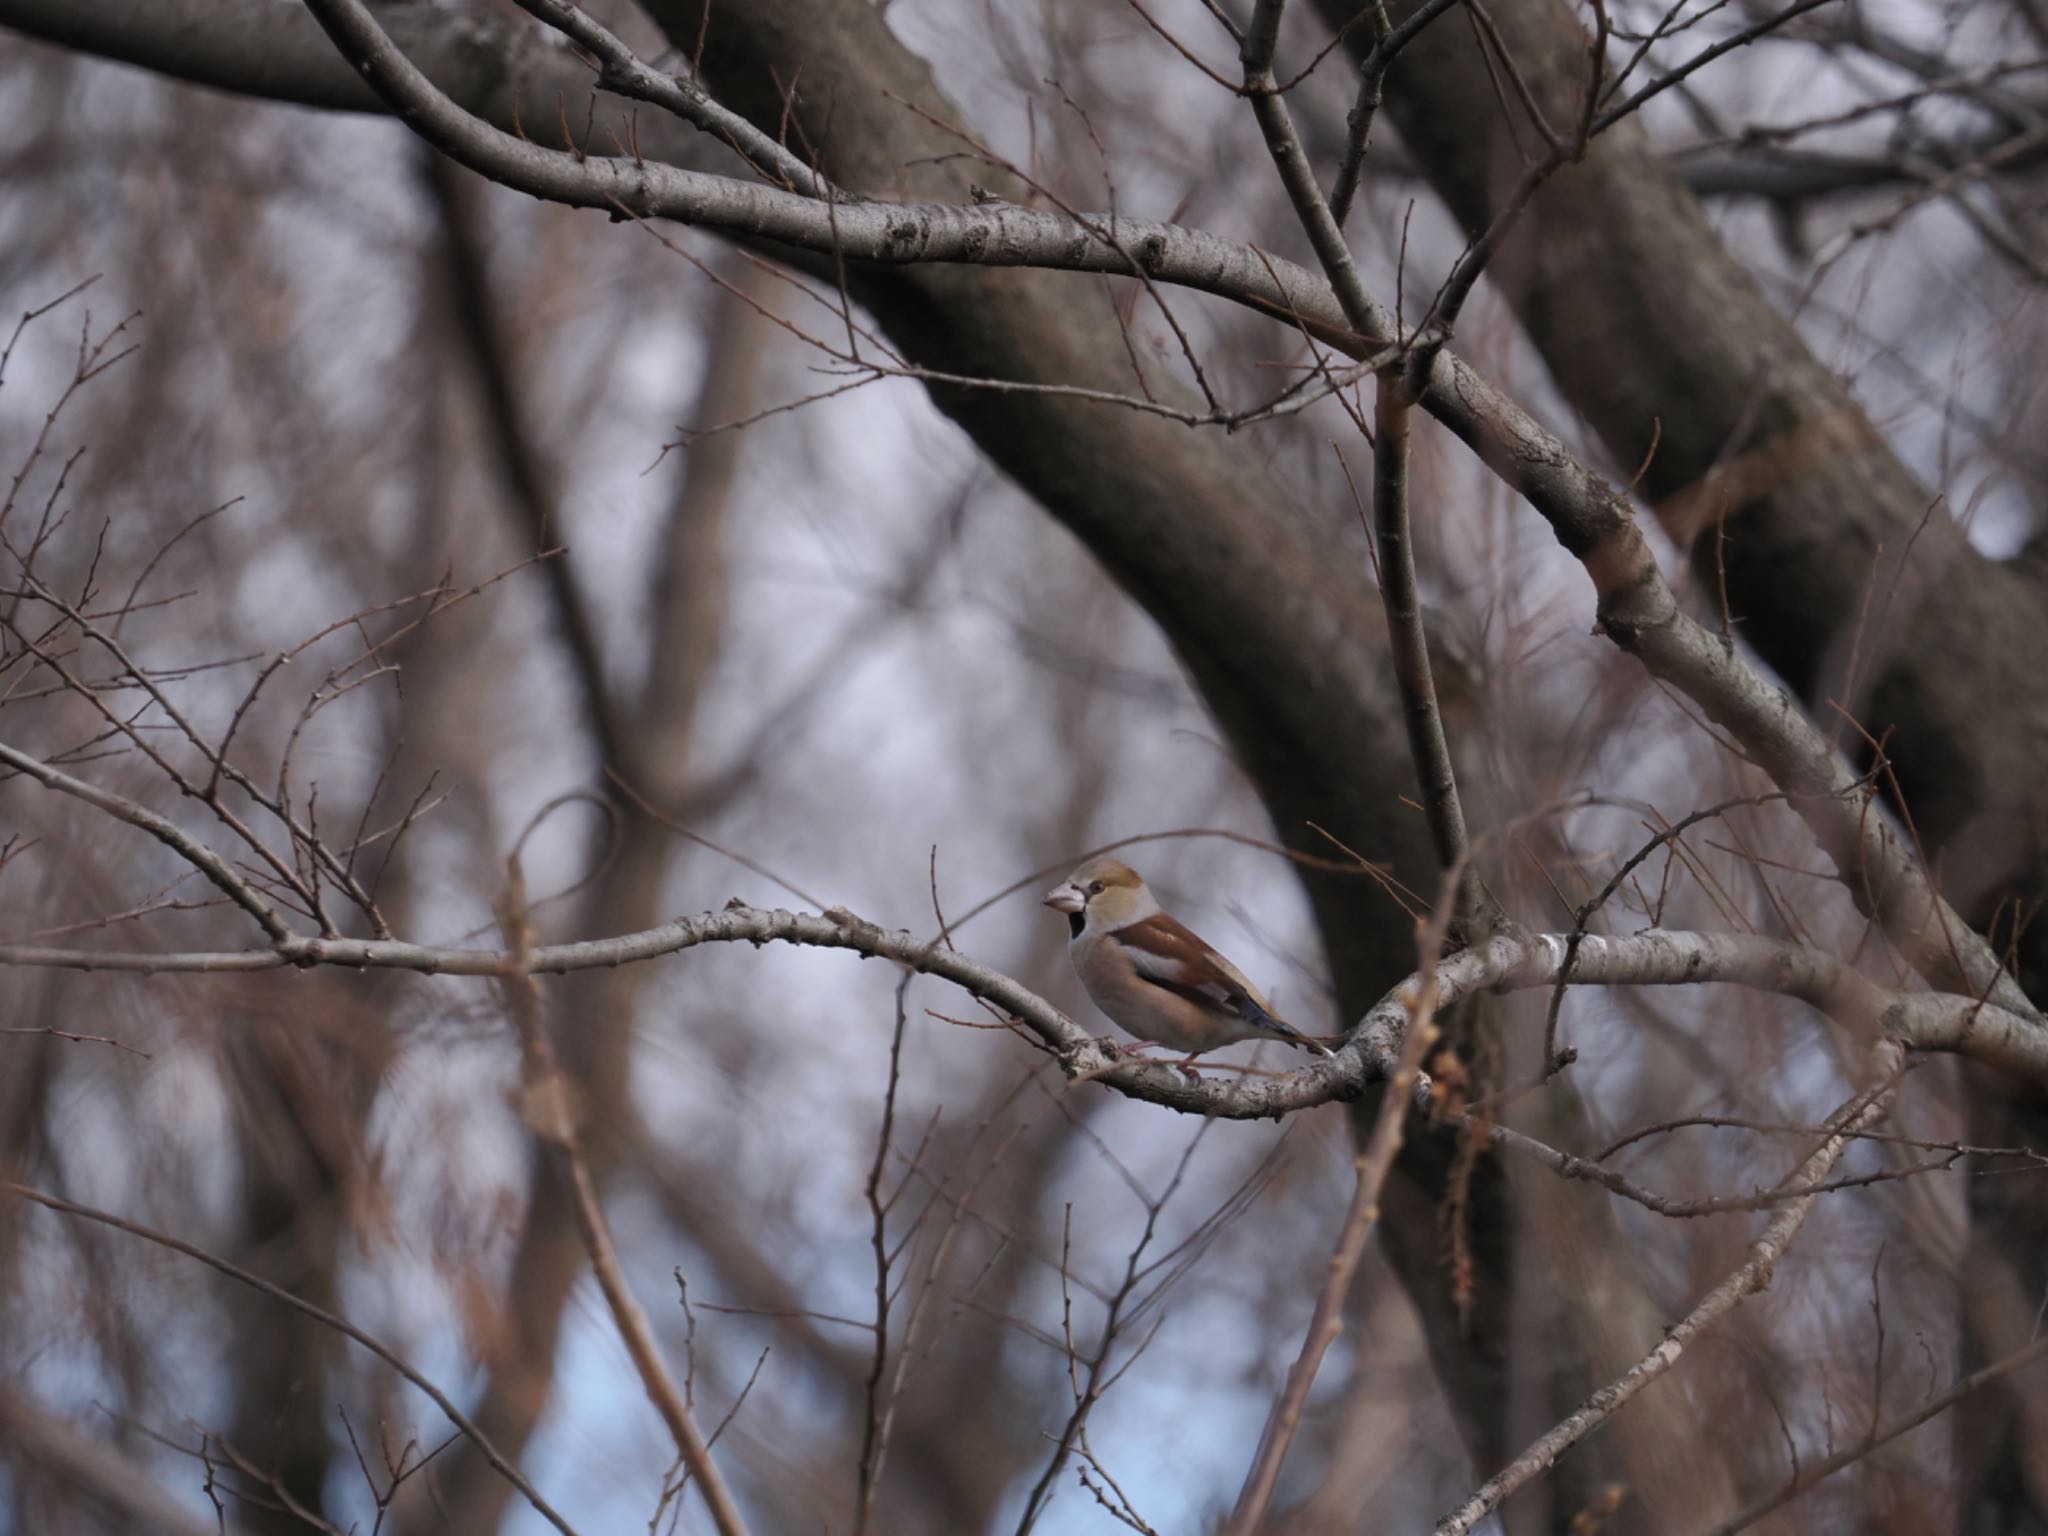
x,y
1255,1013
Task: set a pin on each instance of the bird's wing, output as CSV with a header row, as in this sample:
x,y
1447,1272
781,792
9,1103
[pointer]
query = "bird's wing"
x,y
1169,954
1165,951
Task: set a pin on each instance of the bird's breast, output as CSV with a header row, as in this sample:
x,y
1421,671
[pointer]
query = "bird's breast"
x,y
1145,1009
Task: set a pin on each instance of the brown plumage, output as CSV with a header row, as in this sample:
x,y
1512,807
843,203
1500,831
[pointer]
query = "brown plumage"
x,y
1153,975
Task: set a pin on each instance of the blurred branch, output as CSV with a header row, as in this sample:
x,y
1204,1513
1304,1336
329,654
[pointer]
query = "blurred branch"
x,y
1374,1162
531,481
172,836
262,48
1792,177
1753,1276
104,1474
1883,1435
320,1315
644,738
553,1121
691,585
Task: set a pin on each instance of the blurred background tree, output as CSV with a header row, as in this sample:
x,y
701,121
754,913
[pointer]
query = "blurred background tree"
x,y
410,521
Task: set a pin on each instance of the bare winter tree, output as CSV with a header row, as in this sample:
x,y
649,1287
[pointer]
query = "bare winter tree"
x,y
1523,519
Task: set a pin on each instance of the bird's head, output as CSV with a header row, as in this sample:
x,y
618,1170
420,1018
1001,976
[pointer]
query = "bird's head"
x,y
1103,894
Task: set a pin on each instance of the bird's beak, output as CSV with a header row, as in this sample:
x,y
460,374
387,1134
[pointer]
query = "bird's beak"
x,y
1066,898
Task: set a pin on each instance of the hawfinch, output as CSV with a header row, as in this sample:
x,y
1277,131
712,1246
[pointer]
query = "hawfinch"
x,y
1154,977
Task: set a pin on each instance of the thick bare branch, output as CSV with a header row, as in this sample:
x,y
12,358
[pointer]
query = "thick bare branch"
x,y
1980,1030
261,48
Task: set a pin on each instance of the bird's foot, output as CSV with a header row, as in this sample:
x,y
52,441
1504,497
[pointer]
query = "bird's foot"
x,y
1137,1048
1141,1050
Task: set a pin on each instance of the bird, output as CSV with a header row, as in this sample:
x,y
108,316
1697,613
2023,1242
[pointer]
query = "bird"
x,y
1152,975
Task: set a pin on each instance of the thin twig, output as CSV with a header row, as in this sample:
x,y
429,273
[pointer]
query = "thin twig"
x,y
1826,1468
1752,1276
622,70
1374,1162
172,836
1372,75
1409,643
554,1123
1090,1379
320,1315
1396,397
874,1446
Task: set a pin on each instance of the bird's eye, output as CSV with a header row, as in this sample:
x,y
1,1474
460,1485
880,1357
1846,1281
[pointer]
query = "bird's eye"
x,y
1095,888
